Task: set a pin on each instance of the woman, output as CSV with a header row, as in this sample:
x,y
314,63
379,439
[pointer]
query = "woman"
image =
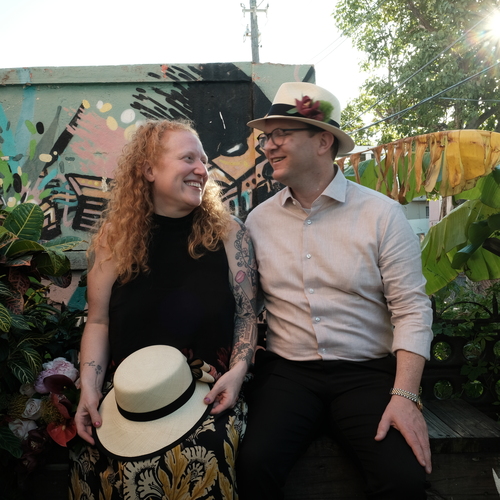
x,y
168,265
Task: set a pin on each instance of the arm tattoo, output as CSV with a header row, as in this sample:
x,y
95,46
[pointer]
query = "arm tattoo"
x,y
244,286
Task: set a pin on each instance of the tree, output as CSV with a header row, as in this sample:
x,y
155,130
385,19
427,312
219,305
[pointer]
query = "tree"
x,y
450,39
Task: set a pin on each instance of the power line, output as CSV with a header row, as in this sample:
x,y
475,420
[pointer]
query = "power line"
x,y
326,48
331,51
418,71
472,100
427,99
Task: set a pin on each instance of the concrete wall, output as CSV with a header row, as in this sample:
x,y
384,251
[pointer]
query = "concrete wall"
x,y
62,129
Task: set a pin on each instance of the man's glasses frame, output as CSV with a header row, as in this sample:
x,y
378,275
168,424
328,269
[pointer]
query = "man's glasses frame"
x,y
278,134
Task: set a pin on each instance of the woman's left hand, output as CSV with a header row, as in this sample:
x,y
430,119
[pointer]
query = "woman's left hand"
x,y
225,392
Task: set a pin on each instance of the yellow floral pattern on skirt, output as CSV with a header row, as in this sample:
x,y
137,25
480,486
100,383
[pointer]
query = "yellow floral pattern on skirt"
x,y
200,468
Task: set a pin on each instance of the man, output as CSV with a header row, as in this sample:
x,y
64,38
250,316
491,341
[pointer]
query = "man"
x,y
349,323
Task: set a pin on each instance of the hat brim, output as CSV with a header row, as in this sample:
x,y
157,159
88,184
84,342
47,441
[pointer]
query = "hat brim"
x,y
125,439
346,144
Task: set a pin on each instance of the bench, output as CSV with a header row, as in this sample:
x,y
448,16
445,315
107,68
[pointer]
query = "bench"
x,y
465,446
465,440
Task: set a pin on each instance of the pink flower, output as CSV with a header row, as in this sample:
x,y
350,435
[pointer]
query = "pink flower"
x,y
20,428
59,366
309,109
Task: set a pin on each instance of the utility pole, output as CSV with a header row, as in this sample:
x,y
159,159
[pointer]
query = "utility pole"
x,y
254,28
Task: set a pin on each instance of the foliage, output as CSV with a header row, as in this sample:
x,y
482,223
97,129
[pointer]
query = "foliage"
x,y
445,163
32,331
470,311
465,240
399,38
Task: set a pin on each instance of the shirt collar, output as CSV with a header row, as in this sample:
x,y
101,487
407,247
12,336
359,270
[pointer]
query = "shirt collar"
x,y
336,190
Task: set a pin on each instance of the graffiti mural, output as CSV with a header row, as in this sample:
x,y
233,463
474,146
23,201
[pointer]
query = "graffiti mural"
x,y
63,129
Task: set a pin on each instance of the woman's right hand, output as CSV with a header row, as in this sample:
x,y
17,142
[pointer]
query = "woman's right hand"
x,y
87,416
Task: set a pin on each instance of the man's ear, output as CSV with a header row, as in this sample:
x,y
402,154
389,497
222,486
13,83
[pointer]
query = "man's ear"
x,y
147,170
326,142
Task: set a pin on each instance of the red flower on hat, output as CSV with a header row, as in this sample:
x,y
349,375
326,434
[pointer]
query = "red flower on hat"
x,y
309,109
314,110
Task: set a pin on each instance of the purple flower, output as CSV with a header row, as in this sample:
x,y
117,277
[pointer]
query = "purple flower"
x,y
59,366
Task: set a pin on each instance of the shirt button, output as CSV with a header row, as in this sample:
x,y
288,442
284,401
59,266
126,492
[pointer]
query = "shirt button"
x,y
308,255
308,222
317,319
311,290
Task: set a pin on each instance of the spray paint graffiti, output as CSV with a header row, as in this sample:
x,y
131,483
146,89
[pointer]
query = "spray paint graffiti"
x,y
59,144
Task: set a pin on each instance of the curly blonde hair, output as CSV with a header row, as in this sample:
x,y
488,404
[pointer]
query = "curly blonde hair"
x,y
125,226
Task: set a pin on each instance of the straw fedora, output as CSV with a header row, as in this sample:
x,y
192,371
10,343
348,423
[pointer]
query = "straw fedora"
x,y
154,405
308,103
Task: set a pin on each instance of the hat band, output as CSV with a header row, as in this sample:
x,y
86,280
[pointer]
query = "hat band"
x,y
284,110
160,412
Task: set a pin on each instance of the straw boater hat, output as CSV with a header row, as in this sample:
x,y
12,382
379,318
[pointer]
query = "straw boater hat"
x,y
155,403
308,103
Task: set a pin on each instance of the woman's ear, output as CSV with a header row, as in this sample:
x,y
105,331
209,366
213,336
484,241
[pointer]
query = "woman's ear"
x,y
147,170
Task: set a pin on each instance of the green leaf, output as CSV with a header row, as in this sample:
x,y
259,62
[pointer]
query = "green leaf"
x,y
25,221
494,222
490,194
62,244
22,371
9,442
52,263
478,232
19,321
20,247
6,238
5,291
5,319
33,358
463,255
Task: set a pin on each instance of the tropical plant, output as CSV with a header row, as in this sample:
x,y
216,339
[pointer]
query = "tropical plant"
x,y
460,163
32,331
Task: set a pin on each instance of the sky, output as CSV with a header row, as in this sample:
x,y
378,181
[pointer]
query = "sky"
x,y
45,33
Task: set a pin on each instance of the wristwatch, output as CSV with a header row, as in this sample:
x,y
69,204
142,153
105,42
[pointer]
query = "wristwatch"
x,y
408,395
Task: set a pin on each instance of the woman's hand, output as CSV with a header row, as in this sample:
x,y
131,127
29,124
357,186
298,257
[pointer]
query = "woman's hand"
x,y
87,415
225,392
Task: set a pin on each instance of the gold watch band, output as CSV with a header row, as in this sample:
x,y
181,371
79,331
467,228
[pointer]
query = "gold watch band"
x,y
408,395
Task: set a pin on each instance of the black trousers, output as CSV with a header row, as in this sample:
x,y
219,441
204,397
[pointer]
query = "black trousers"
x,y
289,401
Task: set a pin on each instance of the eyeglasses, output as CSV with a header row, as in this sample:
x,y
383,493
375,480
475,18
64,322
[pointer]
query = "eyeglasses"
x,y
277,136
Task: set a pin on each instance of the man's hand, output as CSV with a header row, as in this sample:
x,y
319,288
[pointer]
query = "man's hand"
x,y
403,415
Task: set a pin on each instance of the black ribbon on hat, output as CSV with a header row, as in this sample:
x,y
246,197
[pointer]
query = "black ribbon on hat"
x,y
284,111
160,412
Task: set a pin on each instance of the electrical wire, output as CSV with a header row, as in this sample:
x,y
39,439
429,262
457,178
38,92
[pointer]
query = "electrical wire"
x,y
333,50
427,99
326,48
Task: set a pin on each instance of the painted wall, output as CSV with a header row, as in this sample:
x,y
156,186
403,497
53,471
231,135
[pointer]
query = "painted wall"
x,y
62,129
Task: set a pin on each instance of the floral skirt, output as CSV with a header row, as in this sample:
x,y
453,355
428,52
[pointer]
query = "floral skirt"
x,y
202,467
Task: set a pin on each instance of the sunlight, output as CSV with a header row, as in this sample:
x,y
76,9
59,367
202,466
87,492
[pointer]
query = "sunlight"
x,y
493,25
